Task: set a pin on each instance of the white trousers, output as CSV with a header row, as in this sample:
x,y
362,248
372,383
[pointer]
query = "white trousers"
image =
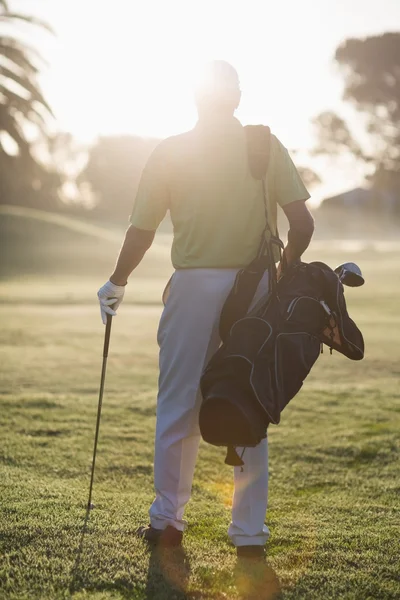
x,y
188,337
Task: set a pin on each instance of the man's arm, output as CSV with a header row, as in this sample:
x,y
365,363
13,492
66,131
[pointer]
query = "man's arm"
x,y
136,243
151,205
291,194
301,229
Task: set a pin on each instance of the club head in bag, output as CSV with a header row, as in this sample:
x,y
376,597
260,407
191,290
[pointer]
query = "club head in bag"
x,y
350,274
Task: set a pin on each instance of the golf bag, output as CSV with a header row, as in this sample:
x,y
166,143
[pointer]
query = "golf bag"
x,y
267,353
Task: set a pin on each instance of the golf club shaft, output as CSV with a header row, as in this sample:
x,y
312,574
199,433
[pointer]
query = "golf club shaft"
x,y
103,376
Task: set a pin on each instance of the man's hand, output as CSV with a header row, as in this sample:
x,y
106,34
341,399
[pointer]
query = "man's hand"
x,y
136,242
110,297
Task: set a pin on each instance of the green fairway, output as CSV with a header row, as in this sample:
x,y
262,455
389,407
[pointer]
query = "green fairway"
x,y
334,459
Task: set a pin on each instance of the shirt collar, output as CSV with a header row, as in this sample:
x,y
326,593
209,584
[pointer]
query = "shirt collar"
x,y
217,122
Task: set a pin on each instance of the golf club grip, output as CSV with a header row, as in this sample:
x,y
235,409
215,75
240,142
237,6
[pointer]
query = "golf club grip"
x,y
107,336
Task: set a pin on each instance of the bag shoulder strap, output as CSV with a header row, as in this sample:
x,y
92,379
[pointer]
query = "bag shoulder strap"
x,y
258,139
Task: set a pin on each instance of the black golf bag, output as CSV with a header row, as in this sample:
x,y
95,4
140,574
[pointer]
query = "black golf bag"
x,y
267,354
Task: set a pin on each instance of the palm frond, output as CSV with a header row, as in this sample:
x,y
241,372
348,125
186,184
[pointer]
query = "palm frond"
x,y
21,100
8,16
24,55
25,107
9,124
17,58
24,82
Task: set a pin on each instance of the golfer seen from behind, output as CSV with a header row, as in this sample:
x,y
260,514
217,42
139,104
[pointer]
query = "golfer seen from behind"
x,y
217,209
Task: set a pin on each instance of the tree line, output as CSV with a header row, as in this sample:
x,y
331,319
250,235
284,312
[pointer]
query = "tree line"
x,y
50,170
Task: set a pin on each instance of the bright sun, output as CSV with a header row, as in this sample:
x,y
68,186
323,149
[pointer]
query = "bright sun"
x,y
130,68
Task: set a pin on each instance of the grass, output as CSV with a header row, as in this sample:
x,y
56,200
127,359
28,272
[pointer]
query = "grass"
x,y
334,460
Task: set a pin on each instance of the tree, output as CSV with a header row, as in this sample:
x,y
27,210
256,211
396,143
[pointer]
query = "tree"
x,y
23,112
334,135
113,171
371,72
309,176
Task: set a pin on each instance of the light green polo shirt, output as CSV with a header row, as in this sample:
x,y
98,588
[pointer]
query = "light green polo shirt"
x,y
217,208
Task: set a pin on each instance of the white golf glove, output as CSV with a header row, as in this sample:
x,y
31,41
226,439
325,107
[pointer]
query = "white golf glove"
x,y
110,295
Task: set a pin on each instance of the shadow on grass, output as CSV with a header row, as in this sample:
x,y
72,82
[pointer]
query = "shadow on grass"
x,y
78,581
256,581
168,574
75,569
168,578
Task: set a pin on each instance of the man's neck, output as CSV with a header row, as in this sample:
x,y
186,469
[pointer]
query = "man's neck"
x,y
216,118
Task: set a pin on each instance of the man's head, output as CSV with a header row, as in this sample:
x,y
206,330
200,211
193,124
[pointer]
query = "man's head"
x,y
218,89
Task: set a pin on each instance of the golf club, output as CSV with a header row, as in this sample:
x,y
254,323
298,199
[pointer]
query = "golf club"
x,y
103,376
350,274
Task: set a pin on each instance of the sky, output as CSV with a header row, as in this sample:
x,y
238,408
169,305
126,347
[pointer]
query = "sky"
x,y
128,66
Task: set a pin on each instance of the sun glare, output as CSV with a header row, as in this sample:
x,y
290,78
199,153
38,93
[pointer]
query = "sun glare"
x,y
129,67
132,69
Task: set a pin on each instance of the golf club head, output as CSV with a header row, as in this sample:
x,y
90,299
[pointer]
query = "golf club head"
x,y
350,274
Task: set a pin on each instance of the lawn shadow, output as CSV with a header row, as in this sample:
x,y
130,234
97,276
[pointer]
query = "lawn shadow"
x,y
75,568
168,574
256,581
79,582
168,577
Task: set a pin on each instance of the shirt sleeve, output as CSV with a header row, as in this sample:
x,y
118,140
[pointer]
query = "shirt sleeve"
x,y
152,197
287,183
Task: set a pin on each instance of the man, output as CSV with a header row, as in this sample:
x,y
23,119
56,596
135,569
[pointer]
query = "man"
x,y
217,209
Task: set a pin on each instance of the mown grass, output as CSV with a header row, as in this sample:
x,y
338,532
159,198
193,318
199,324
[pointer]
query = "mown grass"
x,y
334,460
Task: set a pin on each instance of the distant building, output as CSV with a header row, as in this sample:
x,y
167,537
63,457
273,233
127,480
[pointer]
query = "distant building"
x,y
370,200
357,198
362,213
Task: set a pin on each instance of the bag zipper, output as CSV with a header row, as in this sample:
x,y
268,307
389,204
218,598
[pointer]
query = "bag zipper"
x,y
293,303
